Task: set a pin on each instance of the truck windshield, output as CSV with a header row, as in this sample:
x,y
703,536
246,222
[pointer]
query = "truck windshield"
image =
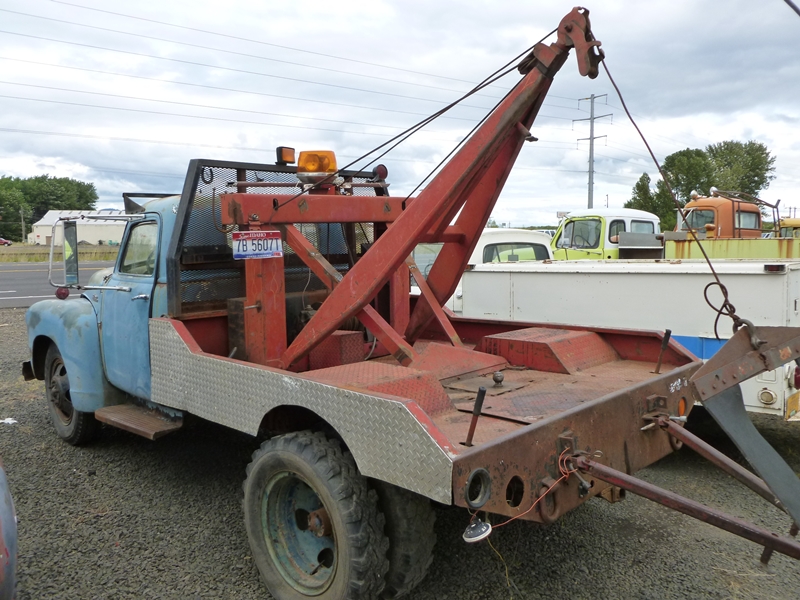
x,y
584,233
787,232
494,253
698,219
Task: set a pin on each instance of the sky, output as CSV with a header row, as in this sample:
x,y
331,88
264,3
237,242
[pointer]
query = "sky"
x,y
124,94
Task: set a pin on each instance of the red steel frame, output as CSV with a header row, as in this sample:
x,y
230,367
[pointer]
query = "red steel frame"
x,y
464,192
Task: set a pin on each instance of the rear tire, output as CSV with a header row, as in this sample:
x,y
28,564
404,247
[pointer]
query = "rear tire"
x,y
72,426
409,527
312,522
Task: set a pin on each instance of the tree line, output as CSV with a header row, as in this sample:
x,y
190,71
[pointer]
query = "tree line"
x,y
731,166
30,198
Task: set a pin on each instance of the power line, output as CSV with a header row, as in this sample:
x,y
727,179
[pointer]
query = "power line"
x,y
135,140
235,53
223,89
222,119
194,105
231,69
263,43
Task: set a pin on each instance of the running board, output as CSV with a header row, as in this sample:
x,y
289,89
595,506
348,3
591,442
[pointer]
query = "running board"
x,y
142,421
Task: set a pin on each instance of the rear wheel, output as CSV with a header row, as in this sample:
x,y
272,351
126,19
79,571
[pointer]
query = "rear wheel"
x,y
409,526
312,522
72,426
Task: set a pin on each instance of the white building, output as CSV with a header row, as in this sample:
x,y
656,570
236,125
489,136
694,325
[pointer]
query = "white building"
x,y
93,231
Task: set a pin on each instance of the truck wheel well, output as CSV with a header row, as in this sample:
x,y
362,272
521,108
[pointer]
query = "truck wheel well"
x,y
40,346
287,418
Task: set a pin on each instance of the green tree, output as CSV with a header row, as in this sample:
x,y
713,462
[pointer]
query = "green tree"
x,y
43,193
739,167
656,201
731,165
35,196
12,208
688,170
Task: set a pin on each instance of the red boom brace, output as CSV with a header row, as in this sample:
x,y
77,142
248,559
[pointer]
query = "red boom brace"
x,y
463,193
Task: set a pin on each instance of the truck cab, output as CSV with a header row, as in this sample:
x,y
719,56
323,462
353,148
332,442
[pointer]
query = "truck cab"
x,y
607,234
495,245
721,217
789,228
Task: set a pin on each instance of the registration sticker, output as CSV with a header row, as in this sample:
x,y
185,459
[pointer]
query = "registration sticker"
x,y
257,244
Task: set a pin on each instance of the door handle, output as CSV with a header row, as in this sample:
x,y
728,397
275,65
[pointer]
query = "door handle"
x,y
141,297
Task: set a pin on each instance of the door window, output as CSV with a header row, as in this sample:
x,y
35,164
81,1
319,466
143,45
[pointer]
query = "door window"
x,y
139,254
614,229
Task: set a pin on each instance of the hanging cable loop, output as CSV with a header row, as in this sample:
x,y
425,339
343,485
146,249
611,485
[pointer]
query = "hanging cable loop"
x,y
727,307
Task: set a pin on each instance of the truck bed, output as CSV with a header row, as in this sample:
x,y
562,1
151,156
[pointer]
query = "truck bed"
x,y
590,389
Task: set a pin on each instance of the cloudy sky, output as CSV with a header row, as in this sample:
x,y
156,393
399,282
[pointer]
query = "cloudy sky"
x,y
125,99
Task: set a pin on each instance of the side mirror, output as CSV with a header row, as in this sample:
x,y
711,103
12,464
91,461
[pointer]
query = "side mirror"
x,y
70,237
70,253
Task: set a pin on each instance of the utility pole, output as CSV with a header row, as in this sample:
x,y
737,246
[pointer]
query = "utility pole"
x,y
22,221
591,139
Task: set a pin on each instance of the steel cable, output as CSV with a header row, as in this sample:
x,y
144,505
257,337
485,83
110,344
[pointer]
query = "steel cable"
x,y
727,307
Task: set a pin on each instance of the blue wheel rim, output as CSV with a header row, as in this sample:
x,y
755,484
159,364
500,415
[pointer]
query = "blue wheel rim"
x,y
306,561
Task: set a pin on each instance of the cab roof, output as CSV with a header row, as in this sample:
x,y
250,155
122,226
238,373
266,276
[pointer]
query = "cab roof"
x,y
620,213
717,202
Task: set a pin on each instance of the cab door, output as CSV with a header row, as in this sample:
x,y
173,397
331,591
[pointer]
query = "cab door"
x,y
125,314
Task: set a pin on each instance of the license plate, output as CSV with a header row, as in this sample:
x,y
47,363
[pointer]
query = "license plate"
x,y
257,244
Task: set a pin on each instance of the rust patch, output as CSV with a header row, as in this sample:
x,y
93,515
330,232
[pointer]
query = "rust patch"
x,y
235,210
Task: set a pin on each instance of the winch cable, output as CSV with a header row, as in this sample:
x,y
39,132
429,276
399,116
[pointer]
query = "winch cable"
x,y
395,141
727,307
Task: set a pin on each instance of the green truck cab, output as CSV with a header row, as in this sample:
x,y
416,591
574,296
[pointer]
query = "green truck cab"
x,y
607,234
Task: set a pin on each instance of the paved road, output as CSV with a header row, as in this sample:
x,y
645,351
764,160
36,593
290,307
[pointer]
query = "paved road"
x,y
22,284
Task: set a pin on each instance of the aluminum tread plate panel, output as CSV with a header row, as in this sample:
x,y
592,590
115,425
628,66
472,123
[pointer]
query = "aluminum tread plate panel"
x,y
386,439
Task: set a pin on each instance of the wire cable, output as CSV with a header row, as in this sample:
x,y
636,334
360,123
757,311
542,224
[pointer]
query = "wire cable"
x,y
230,69
727,307
223,89
401,137
233,52
263,43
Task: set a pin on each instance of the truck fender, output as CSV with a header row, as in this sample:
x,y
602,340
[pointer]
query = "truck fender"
x,y
72,326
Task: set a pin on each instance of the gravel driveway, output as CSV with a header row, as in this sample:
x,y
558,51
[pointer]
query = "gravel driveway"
x,y
129,518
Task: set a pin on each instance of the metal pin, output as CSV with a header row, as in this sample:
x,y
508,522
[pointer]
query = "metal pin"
x,y
664,344
476,412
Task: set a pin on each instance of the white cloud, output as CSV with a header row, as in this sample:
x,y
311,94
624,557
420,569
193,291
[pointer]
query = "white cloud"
x,y
349,75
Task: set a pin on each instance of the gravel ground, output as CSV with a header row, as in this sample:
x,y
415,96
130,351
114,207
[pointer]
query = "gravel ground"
x,y
129,518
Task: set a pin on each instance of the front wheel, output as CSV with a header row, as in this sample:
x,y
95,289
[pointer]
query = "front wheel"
x,y
72,426
312,521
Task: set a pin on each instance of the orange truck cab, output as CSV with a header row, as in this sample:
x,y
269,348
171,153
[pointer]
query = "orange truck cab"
x,y
722,217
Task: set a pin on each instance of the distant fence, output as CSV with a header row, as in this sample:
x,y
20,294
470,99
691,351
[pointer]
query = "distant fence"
x,y
24,253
